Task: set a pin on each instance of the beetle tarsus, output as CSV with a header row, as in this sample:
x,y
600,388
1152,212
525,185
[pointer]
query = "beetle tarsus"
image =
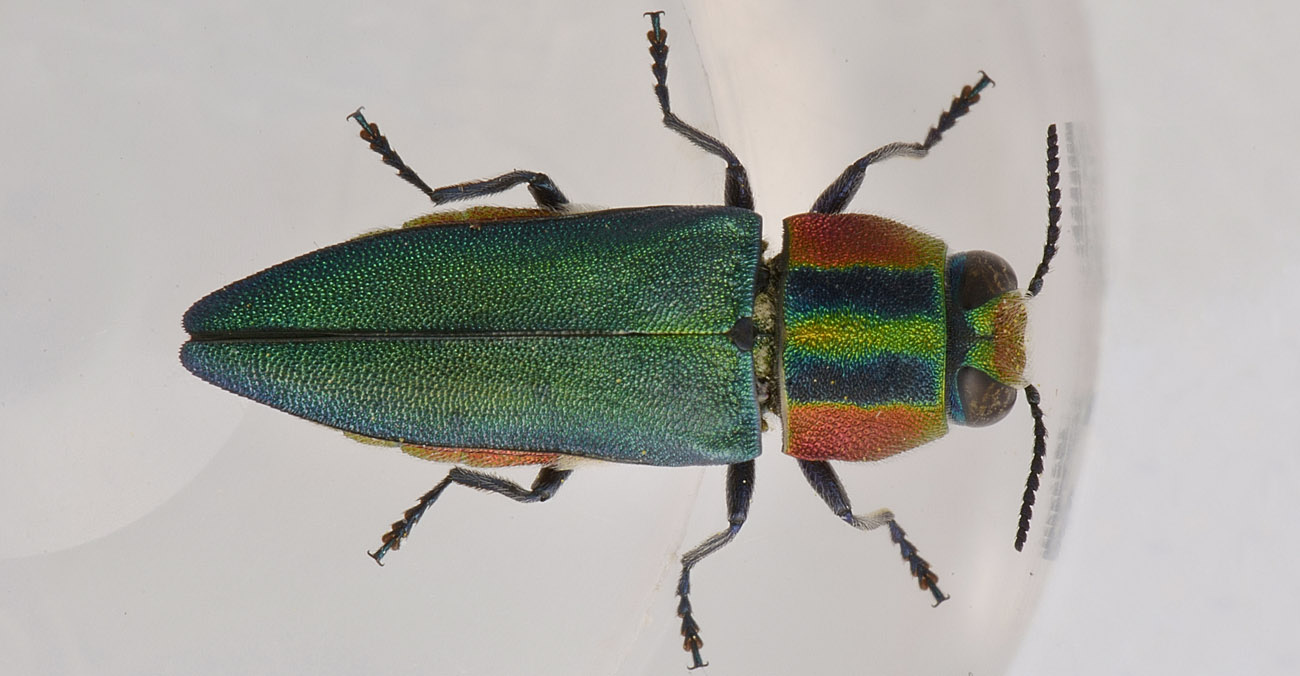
x,y
691,642
656,33
693,645
970,95
925,577
401,528
919,567
379,143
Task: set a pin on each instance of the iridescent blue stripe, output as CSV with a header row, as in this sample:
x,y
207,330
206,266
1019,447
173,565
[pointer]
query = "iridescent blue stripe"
x,y
879,292
885,379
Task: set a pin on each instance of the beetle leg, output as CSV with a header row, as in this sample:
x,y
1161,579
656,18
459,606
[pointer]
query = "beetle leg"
x,y
824,480
543,189
838,194
740,489
737,191
548,481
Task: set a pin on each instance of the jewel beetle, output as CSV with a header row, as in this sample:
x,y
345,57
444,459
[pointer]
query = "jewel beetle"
x,y
659,335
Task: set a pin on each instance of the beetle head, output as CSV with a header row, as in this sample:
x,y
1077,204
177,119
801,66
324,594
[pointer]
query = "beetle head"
x,y
986,326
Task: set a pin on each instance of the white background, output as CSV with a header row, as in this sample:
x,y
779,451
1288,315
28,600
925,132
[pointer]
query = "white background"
x,y
152,524
1182,551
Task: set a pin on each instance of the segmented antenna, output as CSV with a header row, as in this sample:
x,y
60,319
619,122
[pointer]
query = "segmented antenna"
x,y
1036,285
1035,467
1053,211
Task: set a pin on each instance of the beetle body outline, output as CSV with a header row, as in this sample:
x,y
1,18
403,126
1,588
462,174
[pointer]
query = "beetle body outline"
x,y
493,337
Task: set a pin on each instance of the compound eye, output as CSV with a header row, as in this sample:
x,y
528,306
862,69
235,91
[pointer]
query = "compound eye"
x,y
980,276
984,400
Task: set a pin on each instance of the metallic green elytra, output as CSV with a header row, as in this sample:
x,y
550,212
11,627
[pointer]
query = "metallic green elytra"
x,y
602,335
657,335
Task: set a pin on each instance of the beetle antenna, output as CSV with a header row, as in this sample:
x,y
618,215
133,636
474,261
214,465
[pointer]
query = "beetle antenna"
x,y
379,143
1035,286
1035,467
1053,211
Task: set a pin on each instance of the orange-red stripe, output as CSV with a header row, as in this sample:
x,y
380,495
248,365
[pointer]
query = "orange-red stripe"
x,y
843,240
830,431
480,457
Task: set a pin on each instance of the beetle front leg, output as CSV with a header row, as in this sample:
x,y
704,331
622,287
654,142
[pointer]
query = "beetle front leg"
x,y
838,194
543,189
740,489
823,479
548,481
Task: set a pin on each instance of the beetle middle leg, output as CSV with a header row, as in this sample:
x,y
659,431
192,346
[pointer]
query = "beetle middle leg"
x,y
548,481
740,489
543,189
737,192
824,480
838,194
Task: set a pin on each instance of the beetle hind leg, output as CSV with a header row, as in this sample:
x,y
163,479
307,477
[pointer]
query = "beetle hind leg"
x,y
540,186
548,481
543,189
823,479
740,489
